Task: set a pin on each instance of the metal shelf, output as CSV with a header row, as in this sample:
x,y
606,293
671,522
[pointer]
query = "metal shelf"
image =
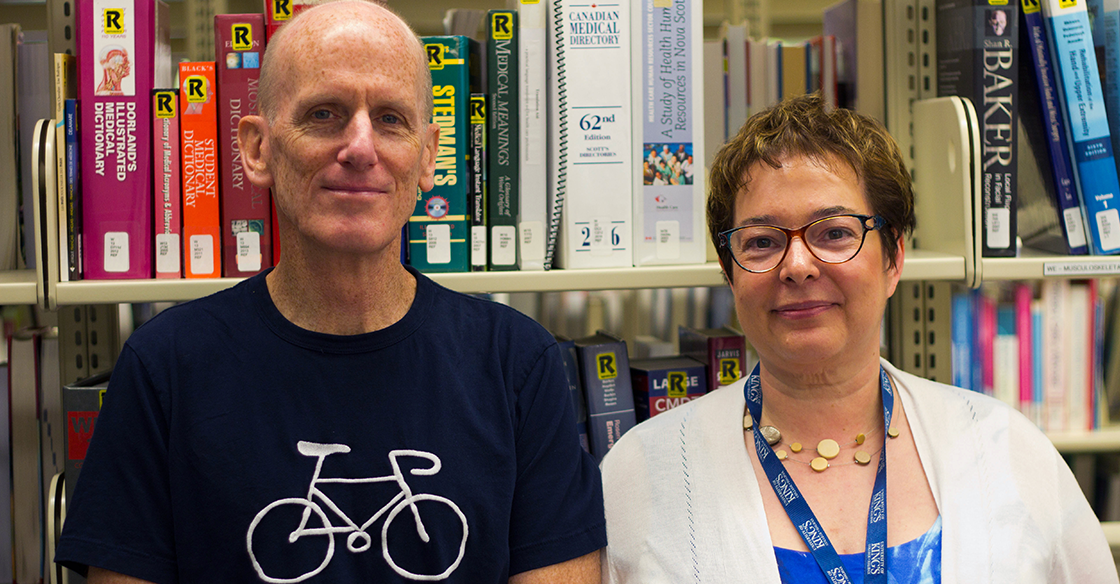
x,y
1102,440
1112,533
1032,265
919,265
17,287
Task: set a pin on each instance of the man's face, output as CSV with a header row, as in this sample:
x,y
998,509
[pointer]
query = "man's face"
x,y
997,19
349,141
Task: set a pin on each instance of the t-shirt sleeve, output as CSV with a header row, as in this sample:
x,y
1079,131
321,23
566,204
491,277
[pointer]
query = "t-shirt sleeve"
x,y
557,510
120,515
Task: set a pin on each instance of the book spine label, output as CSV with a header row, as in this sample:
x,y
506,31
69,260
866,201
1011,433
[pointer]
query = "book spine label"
x,y
439,229
503,162
279,12
592,157
658,391
532,219
166,184
245,208
977,52
1086,122
1065,187
610,398
479,182
116,77
669,139
198,121
73,201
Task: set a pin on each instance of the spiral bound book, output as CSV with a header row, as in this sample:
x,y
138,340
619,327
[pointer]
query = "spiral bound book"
x,y
591,158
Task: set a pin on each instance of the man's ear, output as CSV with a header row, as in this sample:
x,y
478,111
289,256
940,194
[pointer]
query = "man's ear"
x,y
429,145
252,140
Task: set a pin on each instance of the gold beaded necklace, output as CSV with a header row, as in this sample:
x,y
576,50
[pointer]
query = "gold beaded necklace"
x,y
827,449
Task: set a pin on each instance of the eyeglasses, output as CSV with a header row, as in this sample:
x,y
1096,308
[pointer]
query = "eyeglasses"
x,y
832,240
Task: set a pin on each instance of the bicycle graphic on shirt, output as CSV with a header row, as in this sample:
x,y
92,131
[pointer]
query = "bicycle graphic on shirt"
x,y
358,539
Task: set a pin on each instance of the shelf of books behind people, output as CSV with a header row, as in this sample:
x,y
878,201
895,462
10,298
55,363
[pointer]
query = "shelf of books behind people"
x,y
947,246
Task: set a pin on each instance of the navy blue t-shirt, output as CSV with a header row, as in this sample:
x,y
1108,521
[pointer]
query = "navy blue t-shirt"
x,y
443,448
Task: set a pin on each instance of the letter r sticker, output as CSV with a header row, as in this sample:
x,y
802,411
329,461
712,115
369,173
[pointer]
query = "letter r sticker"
x,y
501,26
676,381
435,56
242,37
165,104
728,371
113,20
196,89
281,10
606,364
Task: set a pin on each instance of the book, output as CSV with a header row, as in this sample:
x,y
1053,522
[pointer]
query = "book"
x,y
533,118
279,12
1109,27
977,53
5,468
166,184
73,217
858,28
1024,327
722,350
478,183
962,338
795,67
579,401
1077,346
63,88
9,160
126,56
198,125
668,137
1083,109
503,178
1050,213
1005,355
81,402
715,102
33,81
245,208
605,376
735,71
591,158
758,78
439,229
664,383
1055,318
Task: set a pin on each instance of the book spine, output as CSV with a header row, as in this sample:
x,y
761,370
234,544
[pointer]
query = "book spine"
x,y
479,182
1078,352
166,185
579,402
977,52
657,391
1005,355
1065,188
503,134
668,144
81,405
73,201
198,122
533,117
1068,31
116,77
605,371
727,355
961,339
1025,330
279,12
245,207
62,89
439,229
1038,375
591,149
1055,298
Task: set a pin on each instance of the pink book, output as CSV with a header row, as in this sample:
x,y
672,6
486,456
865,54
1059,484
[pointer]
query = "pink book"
x,y
125,54
245,209
1023,297
167,189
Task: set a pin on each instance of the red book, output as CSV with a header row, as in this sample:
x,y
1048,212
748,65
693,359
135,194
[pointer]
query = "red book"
x,y
125,55
722,350
246,209
279,12
166,184
199,124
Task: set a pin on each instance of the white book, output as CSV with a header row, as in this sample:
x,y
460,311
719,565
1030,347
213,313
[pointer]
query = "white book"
x,y
668,134
533,208
734,49
591,158
33,104
759,80
1055,318
715,115
1078,356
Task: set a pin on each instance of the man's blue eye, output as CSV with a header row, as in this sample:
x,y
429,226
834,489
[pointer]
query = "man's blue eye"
x,y
390,119
321,114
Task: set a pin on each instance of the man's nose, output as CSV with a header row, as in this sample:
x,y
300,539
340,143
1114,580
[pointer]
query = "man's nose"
x,y
360,148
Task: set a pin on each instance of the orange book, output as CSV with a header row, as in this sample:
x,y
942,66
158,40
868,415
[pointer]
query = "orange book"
x,y
199,126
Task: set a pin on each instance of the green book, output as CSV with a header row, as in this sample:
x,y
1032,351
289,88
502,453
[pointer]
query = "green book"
x,y
439,229
503,132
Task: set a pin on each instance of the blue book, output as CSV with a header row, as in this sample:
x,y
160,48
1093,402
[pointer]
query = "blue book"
x,y
1038,360
1067,24
1067,200
961,341
579,403
73,217
605,377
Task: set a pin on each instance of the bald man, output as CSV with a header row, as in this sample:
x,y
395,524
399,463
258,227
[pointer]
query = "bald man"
x,y
340,418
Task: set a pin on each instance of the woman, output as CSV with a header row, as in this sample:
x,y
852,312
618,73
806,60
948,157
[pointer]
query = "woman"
x,y
809,208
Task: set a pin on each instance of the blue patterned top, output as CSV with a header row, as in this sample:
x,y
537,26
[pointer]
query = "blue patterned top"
x,y
915,562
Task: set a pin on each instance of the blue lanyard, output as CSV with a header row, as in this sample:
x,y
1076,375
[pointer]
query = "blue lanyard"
x,y
875,569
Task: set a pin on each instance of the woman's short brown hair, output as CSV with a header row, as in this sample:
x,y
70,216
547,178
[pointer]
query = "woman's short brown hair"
x,y
804,126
